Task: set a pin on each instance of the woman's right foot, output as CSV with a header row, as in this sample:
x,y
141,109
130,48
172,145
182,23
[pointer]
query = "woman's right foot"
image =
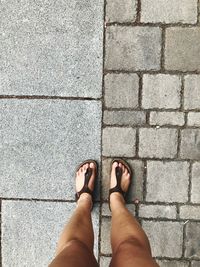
x,y
117,197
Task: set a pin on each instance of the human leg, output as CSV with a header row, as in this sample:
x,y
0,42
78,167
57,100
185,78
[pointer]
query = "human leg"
x,y
130,245
75,246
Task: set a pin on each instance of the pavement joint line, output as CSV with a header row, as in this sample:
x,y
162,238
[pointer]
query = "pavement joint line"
x,y
178,144
162,58
152,24
186,119
183,244
158,219
198,12
42,200
161,203
31,97
138,13
190,182
148,117
140,90
153,109
177,211
135,126
182,93
137,143
158,159
144,193
151,71
103,107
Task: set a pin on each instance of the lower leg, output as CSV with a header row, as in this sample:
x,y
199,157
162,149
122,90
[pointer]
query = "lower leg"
x,y
130,229
79,226
130,245
75,246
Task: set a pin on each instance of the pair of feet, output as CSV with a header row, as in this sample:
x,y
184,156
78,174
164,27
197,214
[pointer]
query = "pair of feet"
x,y
86,198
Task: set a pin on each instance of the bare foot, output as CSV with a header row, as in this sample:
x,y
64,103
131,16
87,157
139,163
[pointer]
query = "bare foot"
x,y
85,198
125,182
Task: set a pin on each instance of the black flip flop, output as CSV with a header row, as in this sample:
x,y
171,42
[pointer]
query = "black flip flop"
x,y
88,174
118,173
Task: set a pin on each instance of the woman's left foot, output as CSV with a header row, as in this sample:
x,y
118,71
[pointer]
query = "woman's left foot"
x,y
85,178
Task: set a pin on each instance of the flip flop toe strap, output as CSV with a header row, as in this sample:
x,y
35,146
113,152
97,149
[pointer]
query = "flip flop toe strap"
x,y
117,188
85,188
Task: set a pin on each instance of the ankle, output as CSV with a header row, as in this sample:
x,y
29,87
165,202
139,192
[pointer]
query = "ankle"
x,y
85,201
116,200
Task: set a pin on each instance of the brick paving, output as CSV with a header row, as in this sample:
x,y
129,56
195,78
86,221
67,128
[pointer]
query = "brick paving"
x,y
145,108
157,51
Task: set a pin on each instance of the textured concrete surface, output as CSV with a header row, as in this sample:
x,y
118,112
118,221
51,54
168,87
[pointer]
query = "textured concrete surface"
x,y
42,141
51,48
30,231
140,61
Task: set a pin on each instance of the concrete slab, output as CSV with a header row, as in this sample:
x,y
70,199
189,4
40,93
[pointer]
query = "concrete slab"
x,y
41,143
51,48
30,231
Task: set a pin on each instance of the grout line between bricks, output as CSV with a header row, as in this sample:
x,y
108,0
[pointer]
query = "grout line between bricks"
x,y
145,181
190,182
140,91
137,143
162,59
151,24
184,237
182,93
157,127
138,12
178,143
151,71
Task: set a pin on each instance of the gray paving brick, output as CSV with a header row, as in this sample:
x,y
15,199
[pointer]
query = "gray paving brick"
x,y
195,264
157,211
136,189
167,181
106,211
192,245
119,141
190,144
178,52
37,233
56,48
183,11
167,118
193,119
105,236
161,91
172,263
42,141
170,232
133,48
124,117
157,143
105,261
192,92
190,212
121,90
121,10
195,186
